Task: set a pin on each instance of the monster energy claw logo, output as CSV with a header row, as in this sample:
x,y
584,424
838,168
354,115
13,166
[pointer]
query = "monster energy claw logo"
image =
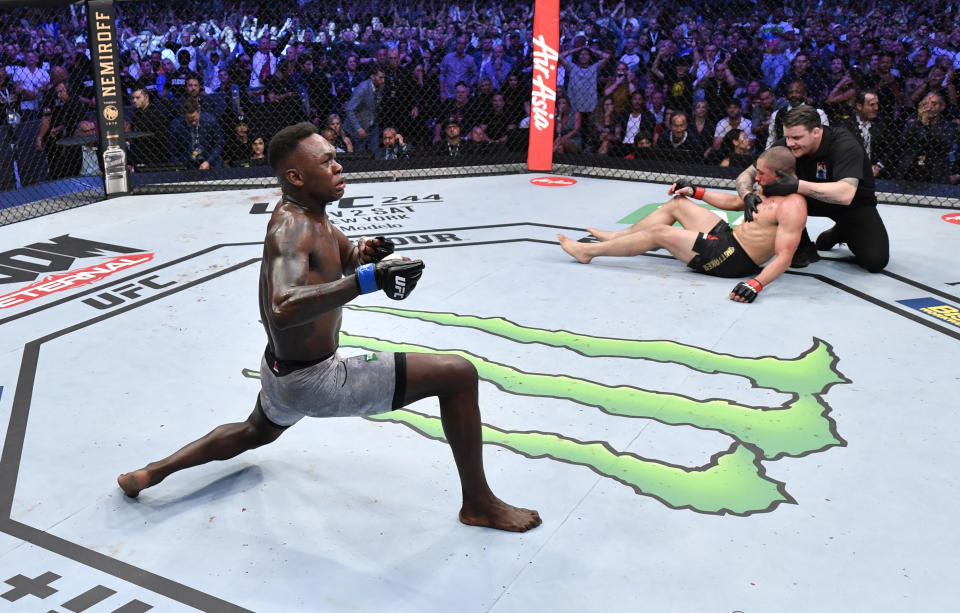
x,y
734,481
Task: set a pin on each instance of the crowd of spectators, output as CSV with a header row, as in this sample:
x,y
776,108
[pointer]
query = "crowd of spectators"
x,y
209,83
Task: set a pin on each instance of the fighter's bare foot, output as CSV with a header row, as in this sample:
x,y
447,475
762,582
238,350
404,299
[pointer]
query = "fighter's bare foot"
x,y
134,482
577,250
500,516
601,235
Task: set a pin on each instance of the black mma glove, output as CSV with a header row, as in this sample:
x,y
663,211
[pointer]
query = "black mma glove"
x,y
696,190
381,248
747,290
750,204
783,186
396,277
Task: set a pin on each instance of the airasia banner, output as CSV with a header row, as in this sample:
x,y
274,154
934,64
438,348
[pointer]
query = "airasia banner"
x,y
543,96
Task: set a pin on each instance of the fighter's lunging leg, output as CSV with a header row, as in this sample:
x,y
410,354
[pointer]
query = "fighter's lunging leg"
x,y
453,380
222,443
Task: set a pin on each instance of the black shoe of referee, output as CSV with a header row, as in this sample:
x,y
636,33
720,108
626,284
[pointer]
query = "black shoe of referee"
x,y
829,239
805,254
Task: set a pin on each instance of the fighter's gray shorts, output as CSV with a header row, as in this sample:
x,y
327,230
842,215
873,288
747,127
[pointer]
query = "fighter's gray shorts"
x,y
334,387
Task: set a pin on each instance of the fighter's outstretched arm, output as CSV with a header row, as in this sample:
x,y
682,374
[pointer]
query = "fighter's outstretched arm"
x,y
728,202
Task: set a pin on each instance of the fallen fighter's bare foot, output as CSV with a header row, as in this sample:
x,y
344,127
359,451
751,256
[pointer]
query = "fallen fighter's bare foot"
x,y
500,516
577,250
602,235
132,483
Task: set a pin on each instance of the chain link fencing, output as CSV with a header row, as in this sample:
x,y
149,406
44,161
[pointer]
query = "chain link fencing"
x,y
48,127
418,88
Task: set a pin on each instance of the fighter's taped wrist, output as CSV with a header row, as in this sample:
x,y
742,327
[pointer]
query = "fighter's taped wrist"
x,y
366,279
756,285
698,193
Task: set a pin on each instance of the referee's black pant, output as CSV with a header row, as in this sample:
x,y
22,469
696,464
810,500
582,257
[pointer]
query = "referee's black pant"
x,y
860,228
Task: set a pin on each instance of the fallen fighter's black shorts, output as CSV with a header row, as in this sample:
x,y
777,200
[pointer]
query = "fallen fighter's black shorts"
x,y
720,255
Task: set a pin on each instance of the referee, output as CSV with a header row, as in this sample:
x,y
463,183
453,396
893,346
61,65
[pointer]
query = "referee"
x,y
835,176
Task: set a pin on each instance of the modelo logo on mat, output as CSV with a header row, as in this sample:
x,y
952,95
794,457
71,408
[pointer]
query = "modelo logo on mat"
x,y
27,264
952,218
554,181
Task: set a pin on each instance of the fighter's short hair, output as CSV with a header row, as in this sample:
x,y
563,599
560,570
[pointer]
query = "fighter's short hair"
x,y
286,142
780,158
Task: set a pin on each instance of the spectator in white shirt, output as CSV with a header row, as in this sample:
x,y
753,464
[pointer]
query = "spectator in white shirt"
x,y
734,119
30,82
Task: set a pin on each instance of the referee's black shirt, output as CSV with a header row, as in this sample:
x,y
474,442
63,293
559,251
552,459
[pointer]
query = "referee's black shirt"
x,y
840,156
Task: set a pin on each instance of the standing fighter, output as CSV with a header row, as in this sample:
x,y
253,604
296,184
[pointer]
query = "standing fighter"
x,y
309,271
771,229
835,174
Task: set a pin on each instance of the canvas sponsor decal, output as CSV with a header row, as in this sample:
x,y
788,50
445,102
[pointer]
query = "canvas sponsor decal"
x,y
952,218
69,280
45,266
367,213
733,481
935,308
554,181
22,586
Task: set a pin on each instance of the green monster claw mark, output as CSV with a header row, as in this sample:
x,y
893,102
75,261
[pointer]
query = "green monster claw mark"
x,y
796,429
733,483
810,373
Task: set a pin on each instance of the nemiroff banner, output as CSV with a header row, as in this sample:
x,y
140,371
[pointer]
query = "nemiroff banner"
x,y
105,54
543,96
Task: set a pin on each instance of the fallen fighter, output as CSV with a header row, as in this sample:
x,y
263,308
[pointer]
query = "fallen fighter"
x,y
772,228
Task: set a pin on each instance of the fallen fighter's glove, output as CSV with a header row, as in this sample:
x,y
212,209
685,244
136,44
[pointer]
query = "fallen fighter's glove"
x,y
750,204
783,186
396,277
747,290
382,247
695,190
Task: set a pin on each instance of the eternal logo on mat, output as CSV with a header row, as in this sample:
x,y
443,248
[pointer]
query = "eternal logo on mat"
x,y
74,278
27,264
952,218
935,308
554,181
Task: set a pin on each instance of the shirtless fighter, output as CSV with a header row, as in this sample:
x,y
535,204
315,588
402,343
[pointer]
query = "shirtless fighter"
x,y
771,229
309,271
